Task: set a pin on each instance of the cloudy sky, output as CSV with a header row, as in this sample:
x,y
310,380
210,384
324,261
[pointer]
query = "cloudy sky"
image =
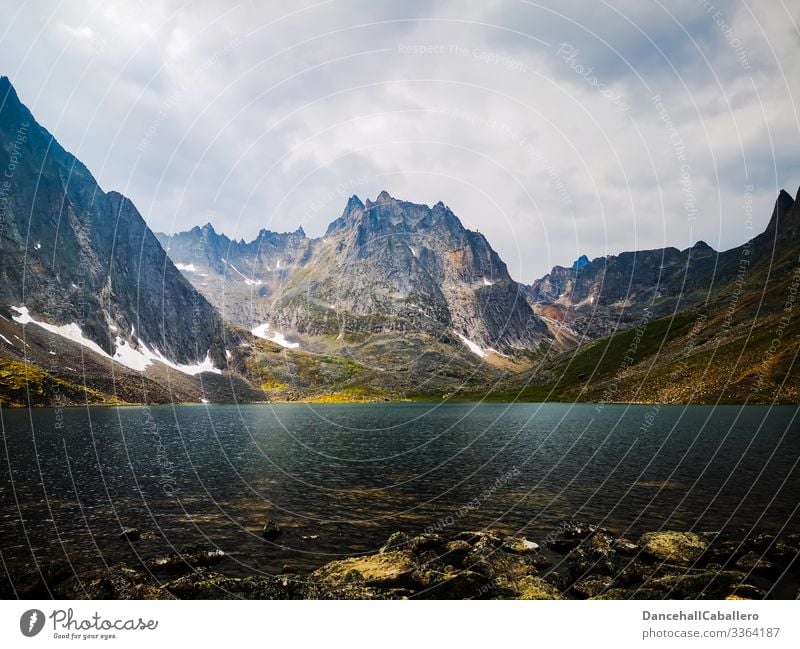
x,y
554,129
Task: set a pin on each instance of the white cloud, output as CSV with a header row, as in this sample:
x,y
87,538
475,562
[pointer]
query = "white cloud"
x,y
272,115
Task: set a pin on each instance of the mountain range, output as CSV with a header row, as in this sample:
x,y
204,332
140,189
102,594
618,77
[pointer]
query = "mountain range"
x,y
395,300
382,267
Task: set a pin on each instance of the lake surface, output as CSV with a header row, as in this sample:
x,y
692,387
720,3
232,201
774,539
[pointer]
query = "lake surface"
x,y
350,475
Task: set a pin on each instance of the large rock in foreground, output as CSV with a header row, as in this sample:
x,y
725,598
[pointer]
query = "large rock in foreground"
x,y
387,569
673,547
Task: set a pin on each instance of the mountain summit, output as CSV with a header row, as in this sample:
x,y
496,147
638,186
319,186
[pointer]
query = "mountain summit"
x,y
384,266
83,262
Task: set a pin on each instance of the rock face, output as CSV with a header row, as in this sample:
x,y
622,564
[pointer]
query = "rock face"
x,y
382,267
607,294
72,253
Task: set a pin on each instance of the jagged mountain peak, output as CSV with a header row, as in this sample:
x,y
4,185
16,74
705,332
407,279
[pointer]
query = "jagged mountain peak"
x,y
7,87
387,267
384,197
783,205
354,202
580,262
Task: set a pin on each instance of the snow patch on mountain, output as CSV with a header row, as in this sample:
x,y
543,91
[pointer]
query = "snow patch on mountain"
x,y
265,331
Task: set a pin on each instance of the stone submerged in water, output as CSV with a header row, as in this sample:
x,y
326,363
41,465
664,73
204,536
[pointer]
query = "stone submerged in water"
x,y
188,558
271,530
130,534
521,545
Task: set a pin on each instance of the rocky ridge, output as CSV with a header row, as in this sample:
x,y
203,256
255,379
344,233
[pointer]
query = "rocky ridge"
x,y
383,267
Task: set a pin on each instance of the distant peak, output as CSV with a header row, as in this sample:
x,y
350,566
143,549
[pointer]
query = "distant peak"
x,y
783,204
7,91
209,227
354,205
353,201
300,231
580,262
384,197
702,245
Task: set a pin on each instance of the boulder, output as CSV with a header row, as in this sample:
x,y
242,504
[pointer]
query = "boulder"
x,y
520,545
385,569
454,552
271,530
116,582
537,588
569,535
624,546
673,547
187,559
130,534
702,584
487,538
397,541
754,562
460,584
630,593
592,586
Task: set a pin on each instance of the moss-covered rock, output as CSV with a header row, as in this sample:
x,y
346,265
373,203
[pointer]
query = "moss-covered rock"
x,y
673,547
537,588
387,569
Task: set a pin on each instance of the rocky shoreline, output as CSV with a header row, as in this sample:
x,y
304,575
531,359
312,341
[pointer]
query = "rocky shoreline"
x,y
575,561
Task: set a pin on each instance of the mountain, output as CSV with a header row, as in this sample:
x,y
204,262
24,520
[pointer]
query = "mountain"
x,y
720,327
597,297
594,298
238,278
384,267
81,264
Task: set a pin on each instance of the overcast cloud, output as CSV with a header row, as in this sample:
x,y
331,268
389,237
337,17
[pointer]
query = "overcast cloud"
x,y
537,123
